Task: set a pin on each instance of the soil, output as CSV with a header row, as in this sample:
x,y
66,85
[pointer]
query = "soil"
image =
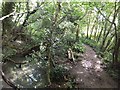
x,y
89,72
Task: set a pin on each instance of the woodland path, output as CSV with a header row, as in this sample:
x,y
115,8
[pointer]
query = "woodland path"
x,y
89,72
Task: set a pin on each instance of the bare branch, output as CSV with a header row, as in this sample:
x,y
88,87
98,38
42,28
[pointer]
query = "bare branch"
x,y
103,15
11,14
115,14
15,13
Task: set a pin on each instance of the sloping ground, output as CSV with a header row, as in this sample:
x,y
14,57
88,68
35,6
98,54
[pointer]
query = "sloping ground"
x,y
88,73
30,75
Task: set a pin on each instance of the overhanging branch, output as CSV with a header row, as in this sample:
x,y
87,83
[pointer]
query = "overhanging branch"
x,y
106,17
4,17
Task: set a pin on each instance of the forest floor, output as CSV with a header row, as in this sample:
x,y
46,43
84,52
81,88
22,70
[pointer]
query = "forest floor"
x,y
89,73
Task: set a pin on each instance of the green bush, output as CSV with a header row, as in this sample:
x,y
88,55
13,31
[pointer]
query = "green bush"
x,y
69,40
79,47
89,42
58,73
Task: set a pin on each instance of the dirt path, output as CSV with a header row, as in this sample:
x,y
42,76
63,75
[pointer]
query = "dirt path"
x,y
89,72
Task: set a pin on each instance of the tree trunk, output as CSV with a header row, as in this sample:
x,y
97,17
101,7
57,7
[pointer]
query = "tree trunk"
x,y
96,30
101,31
88,27
50,43
117,39
92,29
77,33
108,43
8,8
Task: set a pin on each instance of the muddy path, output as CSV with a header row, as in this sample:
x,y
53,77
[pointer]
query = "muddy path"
x,y
89,73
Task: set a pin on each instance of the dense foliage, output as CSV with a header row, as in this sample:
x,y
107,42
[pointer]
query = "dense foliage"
x,y
40,31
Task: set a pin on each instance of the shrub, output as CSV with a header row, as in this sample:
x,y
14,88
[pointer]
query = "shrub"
x,y
89,42
58,73
79,47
